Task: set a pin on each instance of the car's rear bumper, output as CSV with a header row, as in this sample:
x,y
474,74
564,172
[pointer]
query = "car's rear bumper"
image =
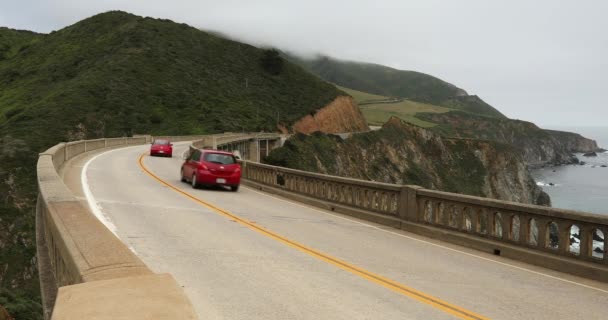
x,y
209,178
161,153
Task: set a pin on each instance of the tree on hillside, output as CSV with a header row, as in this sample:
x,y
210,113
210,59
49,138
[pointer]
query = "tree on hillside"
x,y
272,62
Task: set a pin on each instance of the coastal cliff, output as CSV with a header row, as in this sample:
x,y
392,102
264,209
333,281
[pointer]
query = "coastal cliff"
x,y
538,147
341,115
404,154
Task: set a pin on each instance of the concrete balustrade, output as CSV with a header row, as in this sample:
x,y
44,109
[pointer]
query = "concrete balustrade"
x,y
538,235
91,274
86,272
511,222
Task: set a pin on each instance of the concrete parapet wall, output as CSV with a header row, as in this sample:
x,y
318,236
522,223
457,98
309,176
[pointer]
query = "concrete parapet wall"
x,y
74,148
91,145
112,142
537,235
141,297
85,257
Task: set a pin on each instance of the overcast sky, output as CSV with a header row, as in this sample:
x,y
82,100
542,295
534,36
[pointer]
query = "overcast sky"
x,y
544,61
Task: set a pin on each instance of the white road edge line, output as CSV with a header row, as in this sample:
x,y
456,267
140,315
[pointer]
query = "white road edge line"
x,y
94,206
428,242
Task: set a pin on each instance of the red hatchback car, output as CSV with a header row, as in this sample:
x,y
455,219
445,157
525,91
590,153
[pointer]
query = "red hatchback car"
x,y
161,147
211,168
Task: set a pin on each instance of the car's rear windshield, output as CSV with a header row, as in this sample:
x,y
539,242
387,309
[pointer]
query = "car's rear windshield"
x,y
219,158
161,142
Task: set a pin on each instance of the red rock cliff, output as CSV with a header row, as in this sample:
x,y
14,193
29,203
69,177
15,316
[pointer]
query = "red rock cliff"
x,y
341,115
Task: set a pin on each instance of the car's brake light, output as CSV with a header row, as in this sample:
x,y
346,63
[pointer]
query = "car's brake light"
x,y
238,169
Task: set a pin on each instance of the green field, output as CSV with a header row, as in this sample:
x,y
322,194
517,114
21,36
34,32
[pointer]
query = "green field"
x,y
360,96
378,113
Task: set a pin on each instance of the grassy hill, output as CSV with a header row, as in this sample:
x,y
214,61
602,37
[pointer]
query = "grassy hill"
x,y
384,81
378,109
381,80
12,41
158,75
115,74
474,105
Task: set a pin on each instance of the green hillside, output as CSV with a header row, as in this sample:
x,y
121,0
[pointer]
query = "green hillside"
x,y
381,80
384,81
116,74
363,97
378,109
13,41
473,105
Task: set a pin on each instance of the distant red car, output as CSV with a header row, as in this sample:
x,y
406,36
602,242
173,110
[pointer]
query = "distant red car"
x,y
161,147
211,168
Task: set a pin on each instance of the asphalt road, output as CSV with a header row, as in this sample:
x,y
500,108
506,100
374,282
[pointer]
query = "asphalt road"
x,y
249,255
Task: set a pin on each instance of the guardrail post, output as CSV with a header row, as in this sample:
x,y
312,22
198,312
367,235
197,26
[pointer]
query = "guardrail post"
x,y
408,205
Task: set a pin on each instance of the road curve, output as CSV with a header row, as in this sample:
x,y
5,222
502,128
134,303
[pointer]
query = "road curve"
x,y
237,255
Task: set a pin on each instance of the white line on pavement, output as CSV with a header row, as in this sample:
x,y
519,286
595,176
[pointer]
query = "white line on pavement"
x,y
93,204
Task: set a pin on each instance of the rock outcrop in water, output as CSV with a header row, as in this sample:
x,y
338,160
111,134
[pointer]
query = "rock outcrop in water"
x,y
404,154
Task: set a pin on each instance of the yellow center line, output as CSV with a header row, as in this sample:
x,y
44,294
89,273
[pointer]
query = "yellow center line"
x,y
385,282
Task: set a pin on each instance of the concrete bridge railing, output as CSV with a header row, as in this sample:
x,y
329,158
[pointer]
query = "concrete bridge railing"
x,y
88,273
563,240
85,271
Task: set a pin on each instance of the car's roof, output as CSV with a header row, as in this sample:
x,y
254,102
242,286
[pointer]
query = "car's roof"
x,y
217,151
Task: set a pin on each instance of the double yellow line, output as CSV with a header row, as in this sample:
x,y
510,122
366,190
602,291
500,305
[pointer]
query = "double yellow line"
x,y
385,282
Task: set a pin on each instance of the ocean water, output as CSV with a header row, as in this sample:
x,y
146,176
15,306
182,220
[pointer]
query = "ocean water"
x,y
579,187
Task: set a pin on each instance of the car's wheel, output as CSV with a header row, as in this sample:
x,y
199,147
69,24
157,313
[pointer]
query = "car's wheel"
x,y
234,188
181,175
194,182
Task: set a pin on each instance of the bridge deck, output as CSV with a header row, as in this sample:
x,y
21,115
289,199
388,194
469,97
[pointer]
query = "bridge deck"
x,y
276,259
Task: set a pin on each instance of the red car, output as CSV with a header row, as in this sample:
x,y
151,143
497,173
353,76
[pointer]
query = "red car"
x,y
211,168
161,147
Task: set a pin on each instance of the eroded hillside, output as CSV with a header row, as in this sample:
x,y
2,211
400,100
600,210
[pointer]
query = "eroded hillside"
x,y
404,154
537,146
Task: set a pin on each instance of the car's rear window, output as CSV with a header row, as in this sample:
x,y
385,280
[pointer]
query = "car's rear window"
x,y
219,158
161,142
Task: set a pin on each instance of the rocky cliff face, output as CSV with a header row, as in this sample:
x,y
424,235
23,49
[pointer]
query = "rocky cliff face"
x,y
4,314
538,147
404,154
341,115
